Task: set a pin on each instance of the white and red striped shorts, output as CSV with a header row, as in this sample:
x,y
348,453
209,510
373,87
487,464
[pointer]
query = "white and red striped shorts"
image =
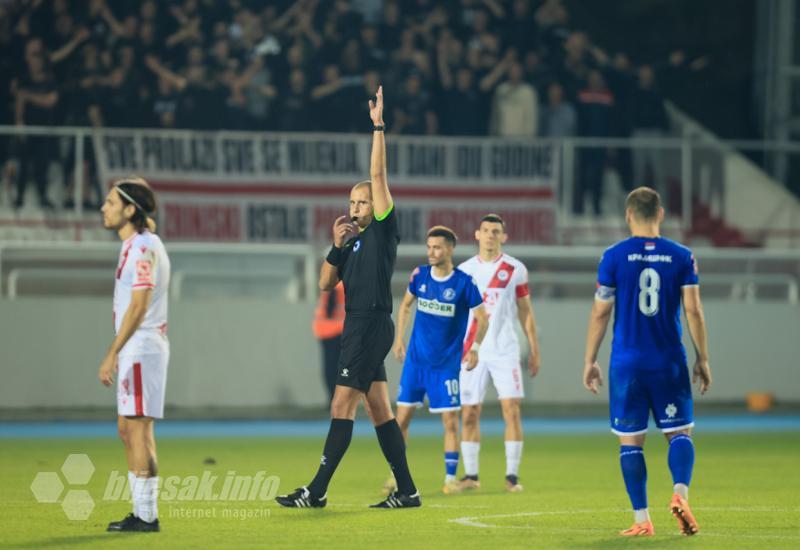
x,y
141,384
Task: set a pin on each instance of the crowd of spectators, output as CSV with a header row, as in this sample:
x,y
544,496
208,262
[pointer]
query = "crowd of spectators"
x,y
448,67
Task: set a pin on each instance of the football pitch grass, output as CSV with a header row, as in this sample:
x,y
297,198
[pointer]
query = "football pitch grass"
x,y
745,494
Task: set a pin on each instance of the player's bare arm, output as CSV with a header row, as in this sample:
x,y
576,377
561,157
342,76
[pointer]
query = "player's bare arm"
x,y
140,300
527,320
399,347
598,323
483,325
343,229
381,198
696,321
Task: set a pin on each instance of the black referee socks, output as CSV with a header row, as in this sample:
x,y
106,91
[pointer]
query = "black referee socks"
x,y
339,435
394,449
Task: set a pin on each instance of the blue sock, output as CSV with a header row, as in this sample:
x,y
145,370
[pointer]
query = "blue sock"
x,y
681,458
451,463
634,472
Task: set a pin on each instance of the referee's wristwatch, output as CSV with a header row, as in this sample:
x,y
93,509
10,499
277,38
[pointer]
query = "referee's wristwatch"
x,y
379,127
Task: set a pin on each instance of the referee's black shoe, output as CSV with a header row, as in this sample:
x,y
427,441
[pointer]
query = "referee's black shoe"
x,y
132,523
302,498
398,500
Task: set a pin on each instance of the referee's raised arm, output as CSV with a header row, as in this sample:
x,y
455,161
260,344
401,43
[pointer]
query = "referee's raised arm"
x,y
381,197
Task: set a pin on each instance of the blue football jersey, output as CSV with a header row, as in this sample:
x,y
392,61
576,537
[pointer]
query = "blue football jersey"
x,y
645,277
441,319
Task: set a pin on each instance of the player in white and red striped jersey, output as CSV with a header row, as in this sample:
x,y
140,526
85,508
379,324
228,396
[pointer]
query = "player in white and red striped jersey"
x,y
503,281
139,353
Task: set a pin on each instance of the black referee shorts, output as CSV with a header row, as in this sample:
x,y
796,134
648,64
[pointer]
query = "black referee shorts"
x,y
366,341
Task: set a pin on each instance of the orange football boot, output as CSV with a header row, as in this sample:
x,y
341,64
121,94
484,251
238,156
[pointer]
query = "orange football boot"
x,y
644,529
680,509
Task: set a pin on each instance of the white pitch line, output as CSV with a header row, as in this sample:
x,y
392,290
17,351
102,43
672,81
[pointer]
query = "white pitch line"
x,y
474,521
480,522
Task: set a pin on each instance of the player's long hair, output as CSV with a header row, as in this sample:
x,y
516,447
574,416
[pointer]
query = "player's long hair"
x,y
144,201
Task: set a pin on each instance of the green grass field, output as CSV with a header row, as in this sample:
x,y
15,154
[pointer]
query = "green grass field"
x,y
745,494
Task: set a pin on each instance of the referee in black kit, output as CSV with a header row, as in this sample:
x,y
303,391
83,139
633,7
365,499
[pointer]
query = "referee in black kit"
x,y
363,255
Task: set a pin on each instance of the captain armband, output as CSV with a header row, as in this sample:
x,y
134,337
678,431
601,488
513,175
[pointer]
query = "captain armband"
x,y
605,293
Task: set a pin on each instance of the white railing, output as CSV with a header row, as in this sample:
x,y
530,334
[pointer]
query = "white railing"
x,y
737,274
67,264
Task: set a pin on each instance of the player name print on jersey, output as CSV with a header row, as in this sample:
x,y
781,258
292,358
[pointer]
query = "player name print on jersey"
x,y
435,307
649,258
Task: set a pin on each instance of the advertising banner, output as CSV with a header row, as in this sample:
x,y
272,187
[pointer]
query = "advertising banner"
x,y
262,187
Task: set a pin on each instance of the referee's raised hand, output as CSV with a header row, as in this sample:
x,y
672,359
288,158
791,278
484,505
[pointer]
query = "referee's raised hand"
x,y
343,229
376,108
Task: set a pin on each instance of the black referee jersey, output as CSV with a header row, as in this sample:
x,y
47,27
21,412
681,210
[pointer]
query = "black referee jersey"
x,y
367,265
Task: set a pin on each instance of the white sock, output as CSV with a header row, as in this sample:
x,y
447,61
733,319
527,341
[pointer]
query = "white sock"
x,y
148,505
132,486
449,479
640,516
682,489
513,457
137,494
470,451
